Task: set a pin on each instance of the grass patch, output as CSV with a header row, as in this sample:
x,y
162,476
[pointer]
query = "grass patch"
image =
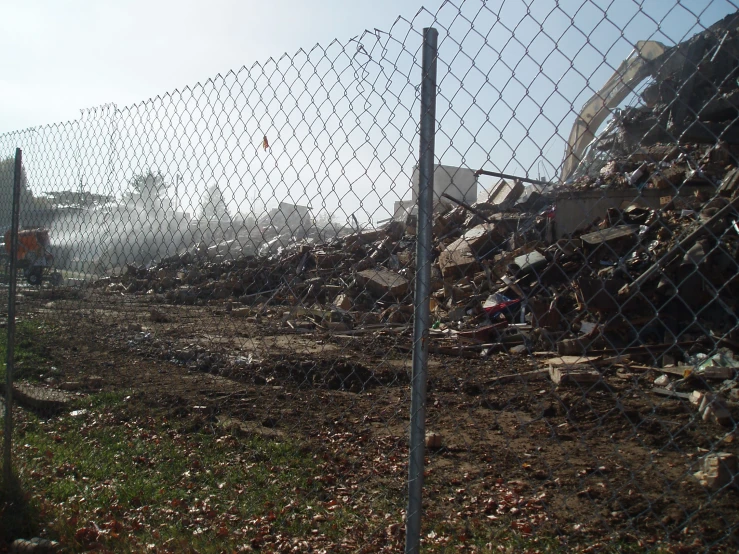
x,y
106,480
505,537
30,352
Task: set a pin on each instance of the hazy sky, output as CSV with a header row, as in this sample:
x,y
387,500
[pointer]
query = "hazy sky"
x,y
341,119
63,55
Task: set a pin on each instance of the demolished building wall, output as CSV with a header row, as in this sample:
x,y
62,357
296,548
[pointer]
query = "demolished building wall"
x,y
581,210
288,218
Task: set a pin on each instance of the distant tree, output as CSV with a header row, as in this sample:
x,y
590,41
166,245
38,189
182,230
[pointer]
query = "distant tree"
x,y
151,189
212,205
150,227
148,182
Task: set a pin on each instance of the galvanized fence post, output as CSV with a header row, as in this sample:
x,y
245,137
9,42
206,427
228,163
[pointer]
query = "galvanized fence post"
x,y
18,169
421,316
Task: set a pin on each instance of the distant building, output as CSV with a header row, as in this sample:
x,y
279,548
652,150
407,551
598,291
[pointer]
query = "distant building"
x,y
457,182
288,218
81,199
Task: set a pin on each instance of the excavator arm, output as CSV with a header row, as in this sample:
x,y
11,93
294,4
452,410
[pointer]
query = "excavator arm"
x,y
632,71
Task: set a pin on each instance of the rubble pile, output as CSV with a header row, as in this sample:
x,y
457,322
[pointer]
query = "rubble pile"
x,y
639,276
302,273
686,130
654,288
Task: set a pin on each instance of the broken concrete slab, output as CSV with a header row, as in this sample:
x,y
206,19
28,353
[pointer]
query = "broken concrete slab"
x,y
526,263
504,195
484,237
711,408
433,441
43,399
383,282
461,257
343,302
458,260
612,234
577,210
718,470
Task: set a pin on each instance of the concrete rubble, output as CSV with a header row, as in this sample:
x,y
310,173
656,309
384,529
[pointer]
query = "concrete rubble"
x,y
718,470
649,281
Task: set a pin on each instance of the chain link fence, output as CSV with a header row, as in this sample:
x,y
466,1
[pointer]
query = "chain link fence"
x,y
230,298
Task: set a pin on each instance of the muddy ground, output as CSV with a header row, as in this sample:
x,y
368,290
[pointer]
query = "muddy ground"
x,y
606,465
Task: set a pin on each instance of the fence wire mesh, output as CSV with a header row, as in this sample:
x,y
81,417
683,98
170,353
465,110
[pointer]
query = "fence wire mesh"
x,y
215,295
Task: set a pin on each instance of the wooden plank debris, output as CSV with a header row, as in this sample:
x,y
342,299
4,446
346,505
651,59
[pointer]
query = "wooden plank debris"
x,y
519,377
573,375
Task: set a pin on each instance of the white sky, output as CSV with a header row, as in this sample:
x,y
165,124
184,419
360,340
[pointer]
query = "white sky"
x,y
341,122
64,55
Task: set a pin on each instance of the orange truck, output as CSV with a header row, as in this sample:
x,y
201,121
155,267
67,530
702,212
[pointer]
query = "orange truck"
x,y
33,255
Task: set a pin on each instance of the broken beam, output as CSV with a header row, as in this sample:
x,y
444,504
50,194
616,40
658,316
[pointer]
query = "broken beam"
x,y
512,177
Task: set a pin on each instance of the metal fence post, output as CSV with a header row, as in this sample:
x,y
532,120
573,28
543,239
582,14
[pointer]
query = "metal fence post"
x,y
421,317
7,470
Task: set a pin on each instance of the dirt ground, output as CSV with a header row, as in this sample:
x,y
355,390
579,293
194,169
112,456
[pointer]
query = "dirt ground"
x,y
599,467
